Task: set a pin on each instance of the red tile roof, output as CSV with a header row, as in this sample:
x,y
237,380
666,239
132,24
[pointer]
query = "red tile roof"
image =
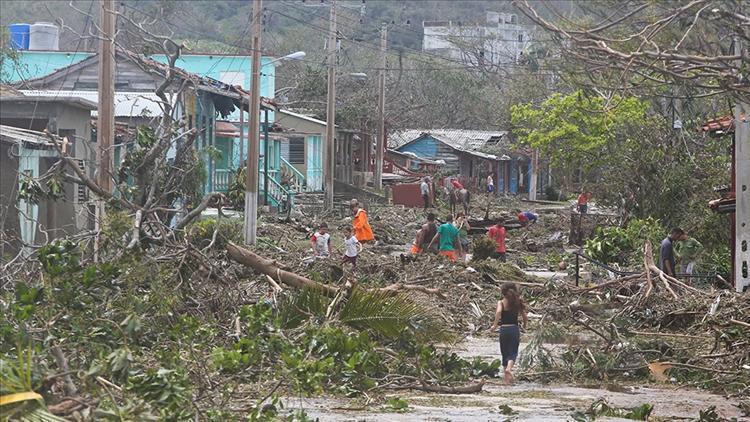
x,y
724,124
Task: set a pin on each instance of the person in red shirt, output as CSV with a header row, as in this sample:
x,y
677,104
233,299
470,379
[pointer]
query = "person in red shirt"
x,y
497,233
456,184
527,218
583,202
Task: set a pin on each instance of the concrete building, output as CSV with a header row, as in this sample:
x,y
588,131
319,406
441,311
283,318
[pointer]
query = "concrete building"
x,y
26,153
499,39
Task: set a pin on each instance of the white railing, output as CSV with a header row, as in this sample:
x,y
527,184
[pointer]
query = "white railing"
x,y
222,179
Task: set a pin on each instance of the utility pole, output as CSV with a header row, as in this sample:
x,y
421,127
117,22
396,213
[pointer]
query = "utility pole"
x,y
380,143
253,137
742,188
105,125
330,160
534,173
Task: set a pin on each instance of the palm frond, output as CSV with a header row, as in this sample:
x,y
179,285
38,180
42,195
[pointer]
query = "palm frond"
x,y
391,315
16,376
305,305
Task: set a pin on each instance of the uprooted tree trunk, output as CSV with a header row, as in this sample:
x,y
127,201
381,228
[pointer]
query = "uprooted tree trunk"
x,y
272,270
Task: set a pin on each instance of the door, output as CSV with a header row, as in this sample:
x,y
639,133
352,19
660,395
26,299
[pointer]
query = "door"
x,y
314,161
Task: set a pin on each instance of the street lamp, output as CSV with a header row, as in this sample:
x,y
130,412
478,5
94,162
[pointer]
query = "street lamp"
x,y
297,55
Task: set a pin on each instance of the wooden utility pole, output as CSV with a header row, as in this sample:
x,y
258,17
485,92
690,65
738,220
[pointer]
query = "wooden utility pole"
x,y
253,137
330,159
742,188
380,143
105,125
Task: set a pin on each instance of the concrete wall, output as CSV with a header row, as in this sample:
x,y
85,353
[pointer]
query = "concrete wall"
x,y
9,223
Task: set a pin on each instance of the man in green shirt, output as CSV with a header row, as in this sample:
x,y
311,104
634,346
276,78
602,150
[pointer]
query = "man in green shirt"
x,y
447,238
688,252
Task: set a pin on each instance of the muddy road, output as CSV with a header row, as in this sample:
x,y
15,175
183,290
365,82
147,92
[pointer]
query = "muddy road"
x,y
523,401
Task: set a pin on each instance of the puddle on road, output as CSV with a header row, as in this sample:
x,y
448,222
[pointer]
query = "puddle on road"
x,y
530,401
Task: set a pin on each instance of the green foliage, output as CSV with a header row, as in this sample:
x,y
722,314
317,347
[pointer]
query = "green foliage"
x,y
482,248
236,189
167,390
397,404
618,244
201,232
718,261
31,190
390,315
18,376
602,408
60,257
572,129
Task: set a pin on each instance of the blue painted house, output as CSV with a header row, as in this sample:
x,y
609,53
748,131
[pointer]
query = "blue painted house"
x,y
217,76
471,155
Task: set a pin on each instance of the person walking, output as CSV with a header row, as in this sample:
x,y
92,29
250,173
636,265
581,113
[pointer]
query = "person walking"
x,y
498,233
507,314
490,184
666,251
424,189
447,238
360,223
321,242
352,248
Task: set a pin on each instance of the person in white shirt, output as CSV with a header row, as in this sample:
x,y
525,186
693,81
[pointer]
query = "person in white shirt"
x,y
490,184
321,241
424,188
352,248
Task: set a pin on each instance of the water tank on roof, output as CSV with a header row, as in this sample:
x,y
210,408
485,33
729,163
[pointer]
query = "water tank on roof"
x,y
44,36
19,36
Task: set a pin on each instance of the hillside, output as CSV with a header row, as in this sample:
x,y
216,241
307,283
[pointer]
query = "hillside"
x,y
222,25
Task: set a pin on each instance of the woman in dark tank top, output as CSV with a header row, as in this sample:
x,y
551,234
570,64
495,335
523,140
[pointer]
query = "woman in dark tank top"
x,y
509,308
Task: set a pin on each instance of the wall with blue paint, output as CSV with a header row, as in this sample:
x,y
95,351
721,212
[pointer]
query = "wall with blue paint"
x,y
513,185
234,70
35,64
426,147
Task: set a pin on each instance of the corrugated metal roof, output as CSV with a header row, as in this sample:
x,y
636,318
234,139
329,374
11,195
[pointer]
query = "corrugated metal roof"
x,y
127,104
51,96
469,141
466,140
25,135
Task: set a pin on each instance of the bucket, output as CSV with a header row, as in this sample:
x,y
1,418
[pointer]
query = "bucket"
x,y
19,36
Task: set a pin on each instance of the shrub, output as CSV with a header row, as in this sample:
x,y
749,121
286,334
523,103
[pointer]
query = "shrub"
x,y
483,248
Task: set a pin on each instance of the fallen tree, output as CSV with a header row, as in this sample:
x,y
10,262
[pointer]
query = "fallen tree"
x,y
272,269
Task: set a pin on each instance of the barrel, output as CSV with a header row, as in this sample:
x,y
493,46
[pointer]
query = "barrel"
x,y
44,36
19,36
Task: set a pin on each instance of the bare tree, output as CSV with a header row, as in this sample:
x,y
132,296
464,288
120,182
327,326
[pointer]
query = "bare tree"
x,y
657,43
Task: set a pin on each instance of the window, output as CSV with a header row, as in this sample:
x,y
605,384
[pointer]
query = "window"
x,y
297,150
82,193
520,37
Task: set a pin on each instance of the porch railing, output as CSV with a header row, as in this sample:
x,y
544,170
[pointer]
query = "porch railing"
x,y
222,179
280,197
297,179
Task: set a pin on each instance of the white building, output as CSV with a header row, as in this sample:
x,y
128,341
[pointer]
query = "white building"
x,y
500,39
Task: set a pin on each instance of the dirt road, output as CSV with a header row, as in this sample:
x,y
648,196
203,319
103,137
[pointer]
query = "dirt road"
x,y
524,401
